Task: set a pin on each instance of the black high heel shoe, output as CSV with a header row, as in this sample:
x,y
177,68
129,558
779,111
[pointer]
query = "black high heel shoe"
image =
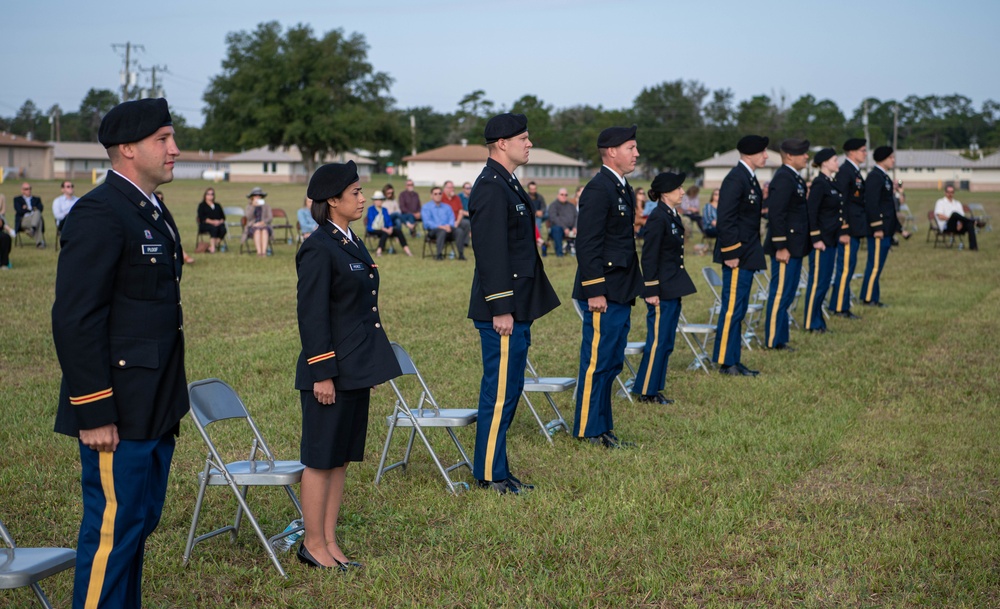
x,y
305,557
349,565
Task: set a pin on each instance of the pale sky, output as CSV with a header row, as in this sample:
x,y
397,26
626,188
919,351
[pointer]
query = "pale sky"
x,y
566,52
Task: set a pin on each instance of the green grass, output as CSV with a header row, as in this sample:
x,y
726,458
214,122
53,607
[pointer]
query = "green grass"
x,y
861,470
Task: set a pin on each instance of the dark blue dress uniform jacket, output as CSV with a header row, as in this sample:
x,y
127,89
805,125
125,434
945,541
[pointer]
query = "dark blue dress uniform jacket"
x,y
825,204
339,324
509,277
852,185
663,270
787,214
116,321
738,221
880,205
607,264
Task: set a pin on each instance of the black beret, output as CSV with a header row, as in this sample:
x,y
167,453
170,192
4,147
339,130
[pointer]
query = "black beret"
x,y
855,143
332,179
882,153
752,144
505,126
665,182
823,156
615,136
795,146
133,121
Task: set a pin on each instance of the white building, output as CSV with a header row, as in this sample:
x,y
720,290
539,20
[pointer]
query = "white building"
x,y
22,158
75,160
716,168
284,165
463,162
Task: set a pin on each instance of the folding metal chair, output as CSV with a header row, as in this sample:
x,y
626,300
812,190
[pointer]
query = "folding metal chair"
x,y
281,222
906,218
546,385
978,213
213,400
419,417
754,309
631,348
25,567
697,336
234,224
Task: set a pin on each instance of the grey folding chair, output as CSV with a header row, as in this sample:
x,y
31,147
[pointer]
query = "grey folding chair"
x,y
978,213
25,567
424,414
697,336
754,309
546,385
631,348
213,400
234,223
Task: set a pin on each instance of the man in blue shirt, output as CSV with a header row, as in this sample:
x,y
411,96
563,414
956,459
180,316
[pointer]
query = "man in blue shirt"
x,y
439,222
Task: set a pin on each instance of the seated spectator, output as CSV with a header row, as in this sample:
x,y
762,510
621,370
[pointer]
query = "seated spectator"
x,y
691,210
439,222
211,220
950,215
63,203
464,195
306,222
449,198
391,205
537,206
28,215
710,216
6,241
409,208
259,217
641,202
379,224
562,220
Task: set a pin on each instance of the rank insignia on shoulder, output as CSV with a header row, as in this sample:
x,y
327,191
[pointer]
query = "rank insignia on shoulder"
x,y
156,215
148,234
142,204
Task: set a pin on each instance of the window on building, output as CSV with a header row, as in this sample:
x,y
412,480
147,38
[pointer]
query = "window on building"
x,y
456,164
274,168
264,170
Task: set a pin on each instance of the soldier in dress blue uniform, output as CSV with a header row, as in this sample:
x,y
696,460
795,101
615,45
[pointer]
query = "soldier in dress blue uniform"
x,y
607,282
738,250
118,332
787,240
345,353
665,282
851,184
509,291
880,208
825,204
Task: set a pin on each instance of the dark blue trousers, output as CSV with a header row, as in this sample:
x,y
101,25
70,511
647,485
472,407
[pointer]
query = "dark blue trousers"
x,y
820,272
661,329
847,260
736,284
878,251
123,494
558,233
780,294
504,360
602,355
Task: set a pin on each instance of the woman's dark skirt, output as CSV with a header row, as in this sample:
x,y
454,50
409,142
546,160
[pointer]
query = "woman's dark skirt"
x,y
334,435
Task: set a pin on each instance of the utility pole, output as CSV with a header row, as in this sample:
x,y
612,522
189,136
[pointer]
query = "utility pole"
x,y
895,133
154,91
413,135
128,76
54,130
868,138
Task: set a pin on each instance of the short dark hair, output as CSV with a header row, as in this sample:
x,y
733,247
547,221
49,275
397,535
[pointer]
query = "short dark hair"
x,y
320,211
532,183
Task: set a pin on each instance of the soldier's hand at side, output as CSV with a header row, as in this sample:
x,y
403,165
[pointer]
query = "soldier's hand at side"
x,y
845,239
102,439
597,304
732,263
503,324
325,392
819,245
782,256
879,234
653,300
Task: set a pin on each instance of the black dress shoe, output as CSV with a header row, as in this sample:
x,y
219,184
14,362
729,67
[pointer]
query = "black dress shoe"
x,y
657,398
439,257
520,486
819,331
306,558
869,303
730,370
781,347
847,315
607,440
502,487
746,371
610,435
461,257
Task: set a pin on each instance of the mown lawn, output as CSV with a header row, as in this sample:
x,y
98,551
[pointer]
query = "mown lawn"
x,y
860,471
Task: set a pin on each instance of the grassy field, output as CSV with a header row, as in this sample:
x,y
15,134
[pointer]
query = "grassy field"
x,y
860,471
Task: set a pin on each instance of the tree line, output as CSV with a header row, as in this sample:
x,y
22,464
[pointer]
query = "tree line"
x,y
281,87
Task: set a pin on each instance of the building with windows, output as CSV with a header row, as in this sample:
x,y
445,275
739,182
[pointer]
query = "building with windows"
x,y
284,165
463,162
24,159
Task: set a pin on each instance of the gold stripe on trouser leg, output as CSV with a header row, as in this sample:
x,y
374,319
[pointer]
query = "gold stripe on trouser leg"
x,y
491,443
845,277
776,305
652,355
812,292
871,280
588,376
100,565
733,281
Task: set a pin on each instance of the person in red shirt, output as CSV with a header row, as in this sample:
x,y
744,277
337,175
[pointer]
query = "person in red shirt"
x,y
463,227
